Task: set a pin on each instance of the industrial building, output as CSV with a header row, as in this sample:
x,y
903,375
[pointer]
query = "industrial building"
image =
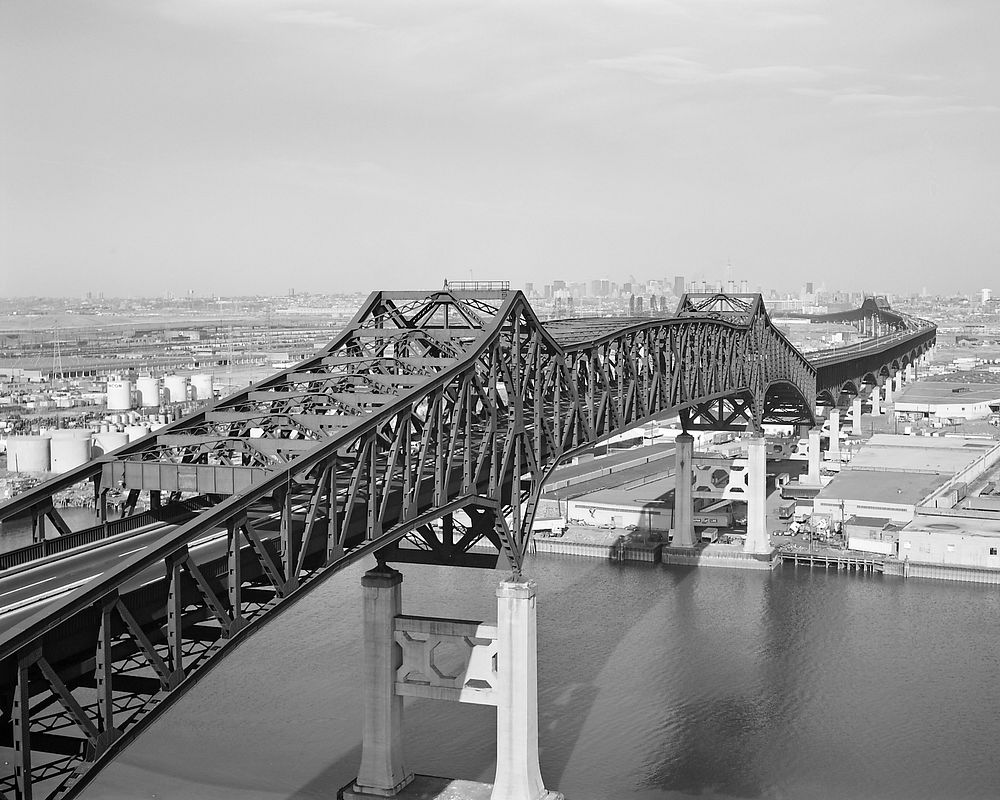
x,y
891,475
944,400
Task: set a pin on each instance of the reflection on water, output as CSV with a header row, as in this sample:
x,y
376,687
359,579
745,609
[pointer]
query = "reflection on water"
x,y
653,683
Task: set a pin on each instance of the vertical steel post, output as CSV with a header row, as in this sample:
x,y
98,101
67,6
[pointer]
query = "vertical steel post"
x,y
103,672
235,577
175,612
21,721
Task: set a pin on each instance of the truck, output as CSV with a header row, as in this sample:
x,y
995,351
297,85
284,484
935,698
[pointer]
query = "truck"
x,y
870,545
786,510
709,535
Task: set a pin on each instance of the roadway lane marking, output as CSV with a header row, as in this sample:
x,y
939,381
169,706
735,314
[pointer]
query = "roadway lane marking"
x,y
47,596
36,583
196,543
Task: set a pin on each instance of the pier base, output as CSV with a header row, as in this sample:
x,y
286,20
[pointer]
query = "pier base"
x,y
428,787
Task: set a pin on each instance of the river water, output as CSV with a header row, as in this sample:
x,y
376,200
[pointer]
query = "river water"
x,y
653,683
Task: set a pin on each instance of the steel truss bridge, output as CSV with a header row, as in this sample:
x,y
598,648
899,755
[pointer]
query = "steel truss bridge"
x,y
427,426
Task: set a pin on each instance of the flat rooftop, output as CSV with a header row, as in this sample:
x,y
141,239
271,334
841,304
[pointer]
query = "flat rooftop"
x,y
942,393
888,486
969,526
913,454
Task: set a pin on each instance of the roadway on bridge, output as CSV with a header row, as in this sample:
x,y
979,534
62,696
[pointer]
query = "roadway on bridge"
x,y
24,590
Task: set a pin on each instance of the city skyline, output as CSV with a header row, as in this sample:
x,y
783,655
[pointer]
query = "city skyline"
x,y
210,145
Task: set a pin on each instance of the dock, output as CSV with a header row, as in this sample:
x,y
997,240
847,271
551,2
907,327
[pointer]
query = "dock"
x,y
848,560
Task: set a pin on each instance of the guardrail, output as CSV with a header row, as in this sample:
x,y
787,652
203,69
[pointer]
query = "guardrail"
x,y
47,547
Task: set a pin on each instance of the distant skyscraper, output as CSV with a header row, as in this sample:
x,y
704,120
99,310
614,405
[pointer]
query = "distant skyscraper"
x,y
985,295
529,289
744,287
809,287
678,285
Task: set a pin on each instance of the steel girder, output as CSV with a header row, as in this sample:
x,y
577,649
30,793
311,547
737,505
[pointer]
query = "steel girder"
x,y
427,406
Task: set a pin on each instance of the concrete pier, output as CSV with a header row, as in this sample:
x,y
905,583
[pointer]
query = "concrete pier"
x,y
814,456
876,398
683,500
888,391
856,413
757,537
518,776
834,452
382,772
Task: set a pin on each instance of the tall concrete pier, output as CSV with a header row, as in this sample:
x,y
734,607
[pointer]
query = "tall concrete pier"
x,y
382,772
683,501
757,538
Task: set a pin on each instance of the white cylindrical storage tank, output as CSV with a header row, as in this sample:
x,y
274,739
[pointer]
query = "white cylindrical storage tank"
x,y
107,441
201,386
69,449
176,388
149,391
28,453
119,395
136,431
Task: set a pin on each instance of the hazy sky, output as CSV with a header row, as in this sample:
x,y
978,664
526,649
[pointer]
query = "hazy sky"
x,y
242,146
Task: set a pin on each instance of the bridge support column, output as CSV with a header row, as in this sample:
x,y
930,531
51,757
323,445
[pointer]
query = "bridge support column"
x,y
834,451
683,523
382,772
518,776
876,398
814,456
911,373
888,390
899,382
757,538
856,414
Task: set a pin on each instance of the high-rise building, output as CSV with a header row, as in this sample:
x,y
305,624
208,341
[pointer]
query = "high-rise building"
x,y
744,287
809,287
678,285
985,295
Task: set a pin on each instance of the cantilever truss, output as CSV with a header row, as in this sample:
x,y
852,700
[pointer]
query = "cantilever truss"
x,y
433,418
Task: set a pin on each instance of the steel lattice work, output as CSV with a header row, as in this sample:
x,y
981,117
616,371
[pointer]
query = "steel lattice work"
x,y
428,426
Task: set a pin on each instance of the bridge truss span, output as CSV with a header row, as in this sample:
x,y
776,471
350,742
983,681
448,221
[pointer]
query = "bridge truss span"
x,y
427,427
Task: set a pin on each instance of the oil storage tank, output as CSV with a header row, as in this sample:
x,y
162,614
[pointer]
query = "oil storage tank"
x,y
201,386
119,395
28,453
69,449
175,387
149,392
106,441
